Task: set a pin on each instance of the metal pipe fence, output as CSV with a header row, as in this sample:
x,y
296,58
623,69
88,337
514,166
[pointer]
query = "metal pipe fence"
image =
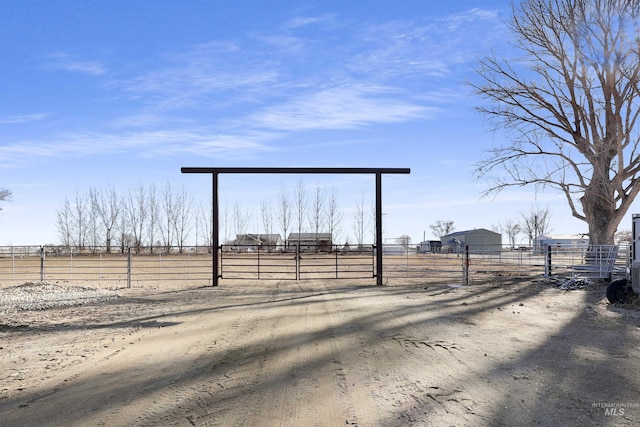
x,y
468,265
464,264
19,264
294,262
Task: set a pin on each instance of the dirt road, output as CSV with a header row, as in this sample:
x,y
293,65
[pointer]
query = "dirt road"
x,y
325,354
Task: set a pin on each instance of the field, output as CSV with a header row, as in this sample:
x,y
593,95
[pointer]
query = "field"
x,y
325,353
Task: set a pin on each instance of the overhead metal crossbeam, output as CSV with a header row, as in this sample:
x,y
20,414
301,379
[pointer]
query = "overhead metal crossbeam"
x,y
378,172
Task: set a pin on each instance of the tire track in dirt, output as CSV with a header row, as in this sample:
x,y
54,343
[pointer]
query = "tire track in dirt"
x,y
295,380
221,365
315,353
405,377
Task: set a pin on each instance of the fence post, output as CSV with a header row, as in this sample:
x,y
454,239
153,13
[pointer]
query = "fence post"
x,y
259,247
129,267
42,264
547,262
13,264
465,266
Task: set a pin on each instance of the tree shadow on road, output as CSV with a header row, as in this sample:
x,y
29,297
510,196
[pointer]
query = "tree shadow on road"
x,y
589,359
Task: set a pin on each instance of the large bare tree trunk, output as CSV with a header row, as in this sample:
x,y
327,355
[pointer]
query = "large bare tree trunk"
x,y
600,213
573,103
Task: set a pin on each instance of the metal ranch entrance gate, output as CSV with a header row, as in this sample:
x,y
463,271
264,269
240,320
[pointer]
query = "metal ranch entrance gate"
x,y
215,209
280,264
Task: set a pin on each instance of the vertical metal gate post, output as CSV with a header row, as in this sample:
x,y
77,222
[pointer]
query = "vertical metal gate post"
x,y
465,265
214,229
547,261
259,247
378,228
42,263
129,267
298,258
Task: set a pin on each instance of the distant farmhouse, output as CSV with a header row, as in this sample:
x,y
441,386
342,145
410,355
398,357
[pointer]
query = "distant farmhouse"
x,y
307,242
479,240
252,242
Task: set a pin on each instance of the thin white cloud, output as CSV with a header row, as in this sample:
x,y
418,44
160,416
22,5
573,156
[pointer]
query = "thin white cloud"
x,y
196,81
341,108
278,83
65,62
423,50
461,21
24,118
304,21
143,144
290,79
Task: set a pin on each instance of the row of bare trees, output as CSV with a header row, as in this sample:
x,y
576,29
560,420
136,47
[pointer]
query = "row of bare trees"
x,y
143,216
162,218
532,224
299,210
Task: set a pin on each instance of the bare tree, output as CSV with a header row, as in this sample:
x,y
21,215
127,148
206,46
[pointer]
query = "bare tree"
x,y
301,205
225,221
359,222
79,215
204,223
175,222
316,215
372,223
167,217
624,236
182,218
266,213
5,196
334,216
404,240
283,212
75,223
153,210
536,222
241,219
64,224
512,229
108,208
125,237
442,228
571,104
136,212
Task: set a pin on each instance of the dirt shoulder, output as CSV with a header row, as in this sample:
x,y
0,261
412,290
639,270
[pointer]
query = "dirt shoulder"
x,y
320,353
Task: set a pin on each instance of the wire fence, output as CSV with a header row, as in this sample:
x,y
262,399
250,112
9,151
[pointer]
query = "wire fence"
x,y
128,267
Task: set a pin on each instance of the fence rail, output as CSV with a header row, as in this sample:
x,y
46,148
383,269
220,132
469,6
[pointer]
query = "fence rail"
x,y
20,264
291,263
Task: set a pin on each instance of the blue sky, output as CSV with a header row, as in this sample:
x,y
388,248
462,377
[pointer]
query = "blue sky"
x,y
124,93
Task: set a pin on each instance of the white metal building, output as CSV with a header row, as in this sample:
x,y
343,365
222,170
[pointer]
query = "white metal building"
x,y
571,241
479,240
